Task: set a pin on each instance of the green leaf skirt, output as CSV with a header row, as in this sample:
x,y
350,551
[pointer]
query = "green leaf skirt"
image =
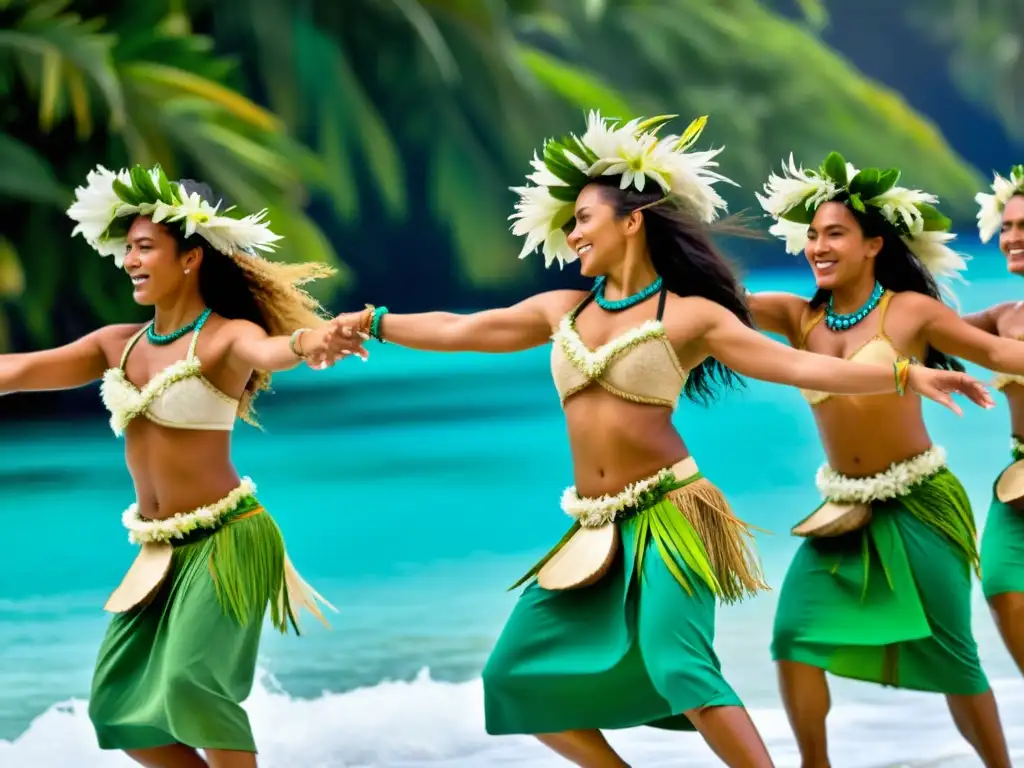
x,y
889,603
176,670
636,647
1002,547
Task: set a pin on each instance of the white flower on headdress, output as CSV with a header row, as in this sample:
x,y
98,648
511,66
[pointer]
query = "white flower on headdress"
x,y
98,205
793,233
631,151
906,209
990,212
539,218
900,204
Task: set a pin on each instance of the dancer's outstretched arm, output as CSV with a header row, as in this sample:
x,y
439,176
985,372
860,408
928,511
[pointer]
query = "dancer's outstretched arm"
x,y
252,348
977,341
68,367
752,354
522,326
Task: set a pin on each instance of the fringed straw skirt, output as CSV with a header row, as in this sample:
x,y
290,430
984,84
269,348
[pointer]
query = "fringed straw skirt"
x,y
636,646
889,603
176,668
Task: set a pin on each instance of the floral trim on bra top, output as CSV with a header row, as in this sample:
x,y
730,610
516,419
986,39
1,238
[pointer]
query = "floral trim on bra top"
x,y
593,362
125,401
898,480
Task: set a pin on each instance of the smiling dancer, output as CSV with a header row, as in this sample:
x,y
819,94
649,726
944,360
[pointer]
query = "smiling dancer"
x,y
881,589
1002,543
180,653
617,630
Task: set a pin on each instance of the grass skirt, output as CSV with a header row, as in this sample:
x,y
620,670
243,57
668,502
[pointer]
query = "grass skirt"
x,y
637,647
177,669
889,603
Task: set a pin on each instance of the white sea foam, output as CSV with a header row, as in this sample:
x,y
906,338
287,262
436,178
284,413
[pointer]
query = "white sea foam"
x,y
425,723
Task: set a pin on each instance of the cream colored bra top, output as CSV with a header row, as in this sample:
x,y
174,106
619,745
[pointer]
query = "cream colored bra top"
x,y
639,365
179,397
879,349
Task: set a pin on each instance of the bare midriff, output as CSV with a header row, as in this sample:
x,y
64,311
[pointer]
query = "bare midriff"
x,y
615,442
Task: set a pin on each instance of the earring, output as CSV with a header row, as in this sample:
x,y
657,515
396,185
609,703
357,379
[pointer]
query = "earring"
x,y
187,271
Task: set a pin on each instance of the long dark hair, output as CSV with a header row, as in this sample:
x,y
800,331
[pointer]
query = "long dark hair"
x,y
896,269
690,264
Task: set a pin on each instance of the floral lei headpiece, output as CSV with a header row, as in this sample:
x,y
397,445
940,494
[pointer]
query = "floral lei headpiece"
x,y
793,199
632,151
106,206
990,215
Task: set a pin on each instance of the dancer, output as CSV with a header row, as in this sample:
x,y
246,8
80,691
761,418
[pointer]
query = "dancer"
x,y
180,654
881,589
1002,543
616,628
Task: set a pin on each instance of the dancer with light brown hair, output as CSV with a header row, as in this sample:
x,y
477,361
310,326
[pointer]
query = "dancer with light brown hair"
x,y
180,653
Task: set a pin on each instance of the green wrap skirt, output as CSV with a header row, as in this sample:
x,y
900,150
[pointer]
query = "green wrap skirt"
x,y
637,646
175,669
1002,544
889,603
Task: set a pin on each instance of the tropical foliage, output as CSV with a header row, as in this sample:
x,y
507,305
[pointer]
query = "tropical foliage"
x,y
392,129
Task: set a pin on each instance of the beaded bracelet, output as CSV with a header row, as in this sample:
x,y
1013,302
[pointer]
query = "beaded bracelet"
x,y
294,340
378,313
901,370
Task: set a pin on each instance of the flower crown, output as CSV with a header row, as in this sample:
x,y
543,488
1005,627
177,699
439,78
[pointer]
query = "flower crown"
x,y
106,206
632,151
990,214
793,199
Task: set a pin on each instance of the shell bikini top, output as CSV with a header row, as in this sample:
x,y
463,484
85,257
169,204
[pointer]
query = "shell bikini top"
x,y
879,349
638,365
178,397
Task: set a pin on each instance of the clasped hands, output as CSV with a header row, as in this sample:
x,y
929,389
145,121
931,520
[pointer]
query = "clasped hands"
x,y
341,337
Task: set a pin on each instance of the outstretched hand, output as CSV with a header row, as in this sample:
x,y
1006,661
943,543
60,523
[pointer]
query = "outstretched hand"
x,y
940,385
330,343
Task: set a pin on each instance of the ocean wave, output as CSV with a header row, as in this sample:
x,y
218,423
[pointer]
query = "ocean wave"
x,y
425,723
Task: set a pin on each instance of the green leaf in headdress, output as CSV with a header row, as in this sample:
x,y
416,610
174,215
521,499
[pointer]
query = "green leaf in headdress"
x,y
652,124
143,184
167,192
800,214
834,168
888,179
857,204
565,194
866,184
691,134
126,193
934,219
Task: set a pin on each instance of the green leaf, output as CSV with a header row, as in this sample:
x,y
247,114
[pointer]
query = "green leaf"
x,y
143,184
126,193
934,219
888,180
692,133
572,83
857,203
26,175
565,194
834,168
799,214
866,184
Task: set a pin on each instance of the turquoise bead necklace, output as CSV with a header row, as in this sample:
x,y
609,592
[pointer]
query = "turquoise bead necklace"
x,y
629,301
837,322
162,339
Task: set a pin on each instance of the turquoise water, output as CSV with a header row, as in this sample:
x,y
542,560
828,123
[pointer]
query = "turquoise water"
x,y
412,491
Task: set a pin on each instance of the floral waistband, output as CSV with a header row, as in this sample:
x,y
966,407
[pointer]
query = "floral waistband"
x,y
142,530
898,480
594,512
